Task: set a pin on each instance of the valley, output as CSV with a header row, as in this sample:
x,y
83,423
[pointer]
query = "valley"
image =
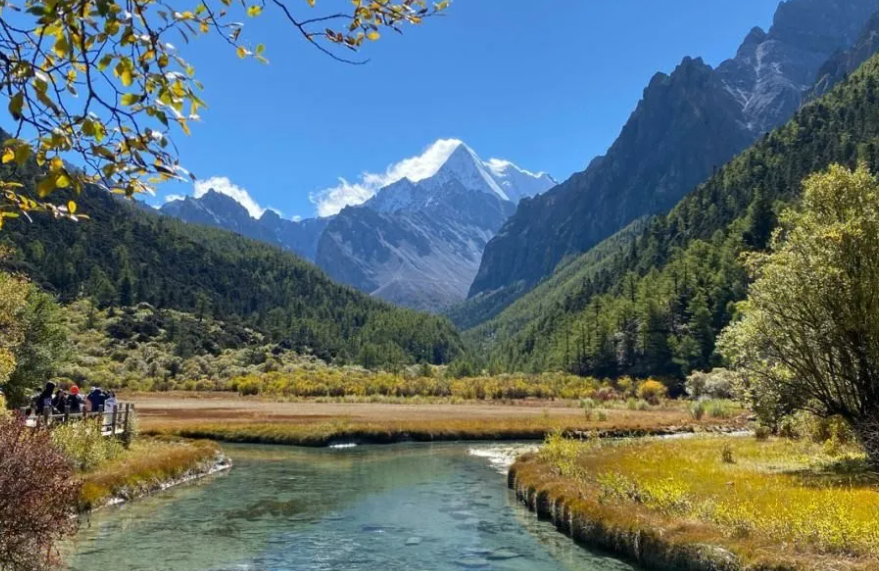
x,y
668,359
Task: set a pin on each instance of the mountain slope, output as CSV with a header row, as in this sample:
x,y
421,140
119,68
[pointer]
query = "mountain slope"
x,y
221,211
687,123
838,67
124,255
419,244
654,304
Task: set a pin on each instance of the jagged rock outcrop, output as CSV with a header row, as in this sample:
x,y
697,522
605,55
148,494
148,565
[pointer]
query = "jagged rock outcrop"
x,y
687,123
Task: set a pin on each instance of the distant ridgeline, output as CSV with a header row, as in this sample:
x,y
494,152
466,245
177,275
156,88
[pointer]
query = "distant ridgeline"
x,y
687,124
654,305
126,254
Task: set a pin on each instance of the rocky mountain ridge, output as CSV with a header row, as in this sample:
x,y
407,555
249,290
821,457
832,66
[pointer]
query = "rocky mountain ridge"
x,y
687,124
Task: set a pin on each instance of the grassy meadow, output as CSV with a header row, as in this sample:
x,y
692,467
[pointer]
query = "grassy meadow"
x,y
773,503
311,423
109,468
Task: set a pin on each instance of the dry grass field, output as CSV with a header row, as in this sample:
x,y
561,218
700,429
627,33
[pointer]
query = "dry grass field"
x,y
247,419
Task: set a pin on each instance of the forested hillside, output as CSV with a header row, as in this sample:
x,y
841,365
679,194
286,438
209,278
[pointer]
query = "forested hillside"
x,y
124,254
687,124
655,305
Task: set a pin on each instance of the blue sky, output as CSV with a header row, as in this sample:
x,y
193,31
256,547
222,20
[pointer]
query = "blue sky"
x,y
545,84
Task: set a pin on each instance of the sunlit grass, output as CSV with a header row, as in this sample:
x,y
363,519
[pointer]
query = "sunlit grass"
x,y
320,432
144,467
783,495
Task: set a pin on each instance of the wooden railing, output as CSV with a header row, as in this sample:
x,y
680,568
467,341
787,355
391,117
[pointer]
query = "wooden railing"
x,y
115,422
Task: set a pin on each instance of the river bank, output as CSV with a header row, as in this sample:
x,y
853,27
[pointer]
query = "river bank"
x,y
148,467
341,432
707,504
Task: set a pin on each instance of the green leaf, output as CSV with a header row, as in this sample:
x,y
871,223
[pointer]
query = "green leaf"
x,y
16,103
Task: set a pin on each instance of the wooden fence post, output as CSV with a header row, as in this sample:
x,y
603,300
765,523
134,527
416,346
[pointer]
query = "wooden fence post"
x,y
127,422
66,411
113,421
47,414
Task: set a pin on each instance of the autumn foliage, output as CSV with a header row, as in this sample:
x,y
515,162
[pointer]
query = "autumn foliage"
x,y
38,495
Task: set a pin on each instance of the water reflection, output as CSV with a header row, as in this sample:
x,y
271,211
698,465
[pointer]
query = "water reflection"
x,y
403,507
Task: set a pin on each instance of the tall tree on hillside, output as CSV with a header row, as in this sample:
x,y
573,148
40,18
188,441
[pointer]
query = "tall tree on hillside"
x,y
809,338
98,82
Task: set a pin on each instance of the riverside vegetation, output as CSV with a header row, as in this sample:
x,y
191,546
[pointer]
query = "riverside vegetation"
x,y
146,303
772,503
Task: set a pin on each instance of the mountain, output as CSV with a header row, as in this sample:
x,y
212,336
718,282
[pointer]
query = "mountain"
x,y
221,211
843,63
419,244
686,125
124,255
651,299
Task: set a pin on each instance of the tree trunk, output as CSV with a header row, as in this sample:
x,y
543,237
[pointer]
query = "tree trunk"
x,y
867,431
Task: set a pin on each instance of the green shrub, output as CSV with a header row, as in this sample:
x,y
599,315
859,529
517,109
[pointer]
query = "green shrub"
x,y
697,409
84,445
720,408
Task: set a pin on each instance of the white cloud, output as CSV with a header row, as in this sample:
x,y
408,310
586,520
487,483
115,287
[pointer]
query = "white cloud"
x,y
225,186
499,167
296,218
330,201
173,197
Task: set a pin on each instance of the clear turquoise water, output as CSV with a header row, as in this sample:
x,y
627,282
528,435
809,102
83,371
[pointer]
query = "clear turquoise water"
x,y
390,508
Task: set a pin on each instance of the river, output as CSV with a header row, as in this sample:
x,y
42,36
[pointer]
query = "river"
x,y
406,507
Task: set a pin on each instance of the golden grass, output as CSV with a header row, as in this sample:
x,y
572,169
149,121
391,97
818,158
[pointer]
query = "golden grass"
x,y
779,504
457,424
144,468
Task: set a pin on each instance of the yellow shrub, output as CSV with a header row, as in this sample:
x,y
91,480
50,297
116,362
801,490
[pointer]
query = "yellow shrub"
x,y
652,391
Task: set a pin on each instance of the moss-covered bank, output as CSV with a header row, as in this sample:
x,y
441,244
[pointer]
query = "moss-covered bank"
x,y
148,467
574,493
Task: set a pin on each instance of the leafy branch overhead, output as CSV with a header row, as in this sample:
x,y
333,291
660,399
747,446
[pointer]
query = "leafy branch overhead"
x,y
99,83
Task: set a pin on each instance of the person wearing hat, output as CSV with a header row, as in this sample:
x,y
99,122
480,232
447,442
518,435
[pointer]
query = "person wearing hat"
x,y
74,400
96,399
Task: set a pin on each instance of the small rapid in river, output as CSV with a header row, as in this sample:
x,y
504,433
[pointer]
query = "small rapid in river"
x,y
406,507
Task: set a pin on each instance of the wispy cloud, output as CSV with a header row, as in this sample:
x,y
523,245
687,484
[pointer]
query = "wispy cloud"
x,y
330,201
225,186
173,197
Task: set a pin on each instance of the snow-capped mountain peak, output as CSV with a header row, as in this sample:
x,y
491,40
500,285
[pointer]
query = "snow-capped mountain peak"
x,y
465,167
401,195
518,183
462,168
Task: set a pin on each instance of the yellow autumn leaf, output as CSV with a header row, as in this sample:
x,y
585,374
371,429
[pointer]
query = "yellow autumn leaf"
x,y
8,155
71,207
373,35
242,52
62,181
